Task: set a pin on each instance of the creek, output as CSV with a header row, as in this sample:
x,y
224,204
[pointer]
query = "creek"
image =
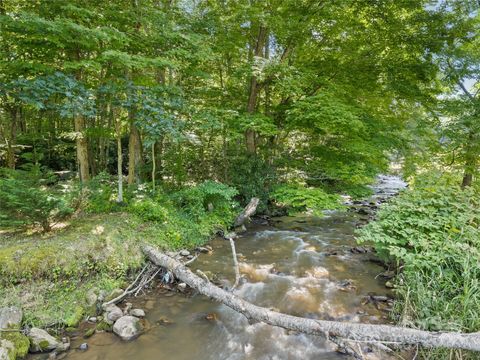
x,y
300,265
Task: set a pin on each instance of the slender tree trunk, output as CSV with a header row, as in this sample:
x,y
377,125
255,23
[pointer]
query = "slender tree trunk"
x,y
470,161
134,153
12,138
82,148
368,333
118,126
158,158
250,134
153,166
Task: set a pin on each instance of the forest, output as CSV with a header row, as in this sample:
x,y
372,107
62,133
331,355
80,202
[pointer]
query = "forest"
x,y
133,128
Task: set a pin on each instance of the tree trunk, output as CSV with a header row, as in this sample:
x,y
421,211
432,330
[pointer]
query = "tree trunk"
x,y
250,134
82,148
249,210
470,161
12,138
134,153
330,329
118,126
153,166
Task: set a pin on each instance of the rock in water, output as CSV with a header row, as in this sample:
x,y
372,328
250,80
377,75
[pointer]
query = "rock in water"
x,y
137,312
184,252
10,317
112,313
40,340
318,272
128,327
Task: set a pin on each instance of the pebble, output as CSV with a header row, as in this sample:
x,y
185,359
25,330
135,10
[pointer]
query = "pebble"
x,y
182,287
184,252
83,347
92,319
137,312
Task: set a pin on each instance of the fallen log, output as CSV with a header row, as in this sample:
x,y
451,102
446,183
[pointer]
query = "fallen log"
x,y
247,212
370,333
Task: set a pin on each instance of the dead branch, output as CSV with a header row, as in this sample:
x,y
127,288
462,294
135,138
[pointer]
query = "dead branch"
x,y
372,333
247,212
235,264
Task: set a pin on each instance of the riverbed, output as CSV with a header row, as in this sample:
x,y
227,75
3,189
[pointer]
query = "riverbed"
x,y
301,265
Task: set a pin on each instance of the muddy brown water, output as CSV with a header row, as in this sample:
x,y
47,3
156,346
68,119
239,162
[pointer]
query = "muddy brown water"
x,y
300,265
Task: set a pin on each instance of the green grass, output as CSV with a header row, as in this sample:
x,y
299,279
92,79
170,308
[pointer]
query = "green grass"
x,y
49,275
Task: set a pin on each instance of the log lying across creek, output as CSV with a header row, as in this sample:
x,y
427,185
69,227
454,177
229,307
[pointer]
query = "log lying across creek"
x,y
370,333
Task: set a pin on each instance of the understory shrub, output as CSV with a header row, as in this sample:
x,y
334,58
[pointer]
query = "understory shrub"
x,y
26,199
298,198
432,232
252,177
190,215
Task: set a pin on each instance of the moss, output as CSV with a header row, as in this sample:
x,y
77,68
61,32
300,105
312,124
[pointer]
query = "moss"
x,y
74,318
104,326
43,345
20,342
49,275
89,333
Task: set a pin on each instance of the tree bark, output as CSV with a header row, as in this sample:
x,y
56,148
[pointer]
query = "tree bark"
x,y
12,138
134,153
250,134
470,161
337,329
82,148
118,126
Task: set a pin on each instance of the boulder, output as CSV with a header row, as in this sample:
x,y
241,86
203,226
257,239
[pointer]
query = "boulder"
x,y
128,327
10,317
112,313
137,313
41,341
91,298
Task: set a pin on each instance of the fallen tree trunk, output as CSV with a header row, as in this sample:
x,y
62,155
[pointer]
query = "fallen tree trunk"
x,y
247,212
352,331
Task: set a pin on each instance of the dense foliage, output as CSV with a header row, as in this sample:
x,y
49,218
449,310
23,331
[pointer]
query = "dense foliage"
x,y
432,233
172,114
25,199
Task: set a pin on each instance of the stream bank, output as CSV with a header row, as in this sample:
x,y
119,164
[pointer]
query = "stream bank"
x,y
302,265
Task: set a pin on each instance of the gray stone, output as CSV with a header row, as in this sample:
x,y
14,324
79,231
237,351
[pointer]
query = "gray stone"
x,y
112,313
184,252
137,312
10,317
203,250
6,347
83,347
92,298
128,307
93,319
182,287
128,327
41,341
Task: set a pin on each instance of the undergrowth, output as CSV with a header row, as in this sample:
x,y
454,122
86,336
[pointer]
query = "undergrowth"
x,y
432,233
49,274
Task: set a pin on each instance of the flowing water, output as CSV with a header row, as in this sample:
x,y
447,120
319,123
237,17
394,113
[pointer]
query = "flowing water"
x,y
298,265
